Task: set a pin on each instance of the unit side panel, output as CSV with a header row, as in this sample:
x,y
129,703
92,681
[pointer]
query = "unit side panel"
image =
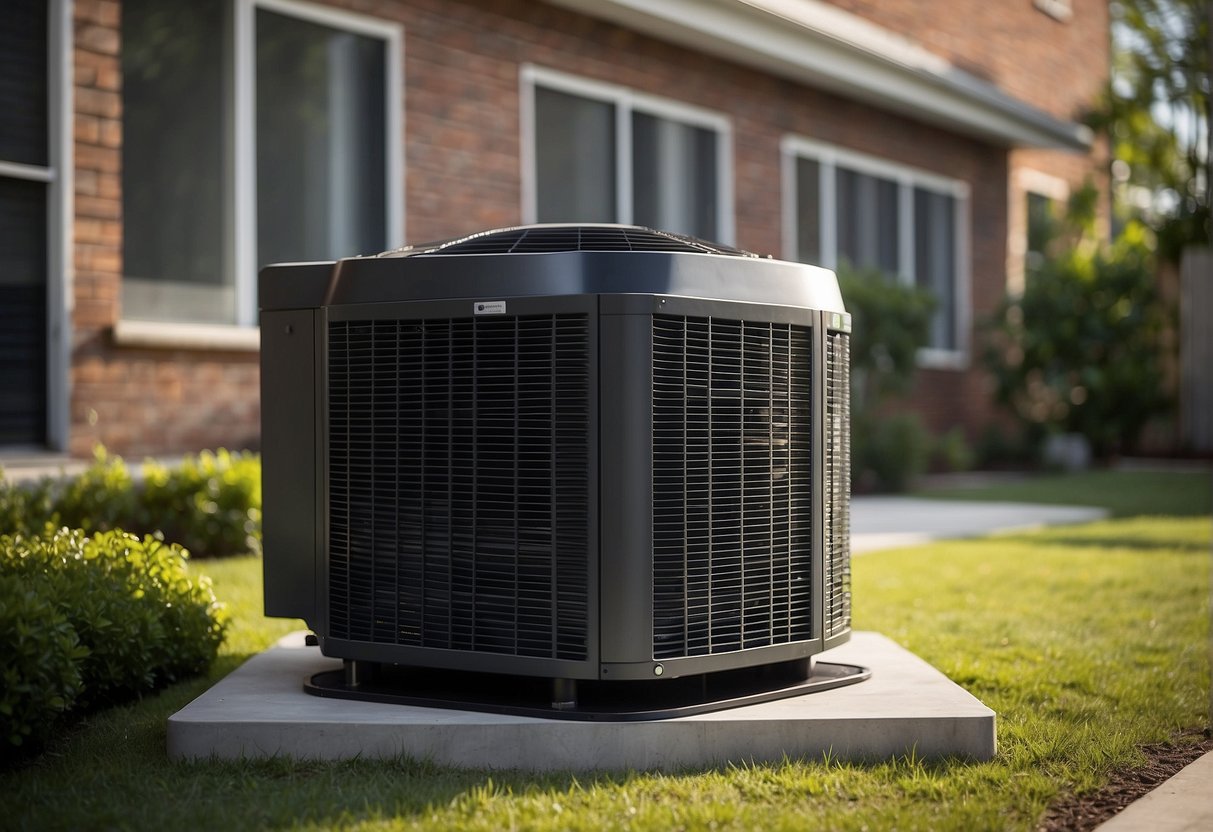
x,y
288,471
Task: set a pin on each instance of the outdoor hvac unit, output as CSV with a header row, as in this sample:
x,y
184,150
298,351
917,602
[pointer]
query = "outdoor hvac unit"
x,y
581,452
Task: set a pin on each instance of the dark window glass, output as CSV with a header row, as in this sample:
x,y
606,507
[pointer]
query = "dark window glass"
x,y
321,146
23,82
23,312
674,176
174,161
574,158
868,221
935,260
808,211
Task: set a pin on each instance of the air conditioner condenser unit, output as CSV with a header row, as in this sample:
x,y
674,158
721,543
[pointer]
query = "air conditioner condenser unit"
x,y
581,453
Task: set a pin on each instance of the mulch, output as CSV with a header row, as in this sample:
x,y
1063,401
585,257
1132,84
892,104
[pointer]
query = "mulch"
x,y
1086,811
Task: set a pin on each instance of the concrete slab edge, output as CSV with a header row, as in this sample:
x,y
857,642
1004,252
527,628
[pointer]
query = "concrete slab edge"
x,y
260,711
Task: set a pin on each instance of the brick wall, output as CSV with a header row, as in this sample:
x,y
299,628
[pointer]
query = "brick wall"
x,y
1059,66
461,92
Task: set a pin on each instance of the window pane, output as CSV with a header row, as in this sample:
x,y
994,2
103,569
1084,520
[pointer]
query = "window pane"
x,y
868,221
174,165
674,176
321,143
574,158
935,260
23,312
1040,229
808,211
23,66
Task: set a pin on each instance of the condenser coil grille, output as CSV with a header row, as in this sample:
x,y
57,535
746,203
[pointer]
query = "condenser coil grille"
x,y
838,485
458,457
732,485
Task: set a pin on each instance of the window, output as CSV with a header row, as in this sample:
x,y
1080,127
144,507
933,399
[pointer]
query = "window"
x,y
598,153
31,231
843,207
1042,226
254,131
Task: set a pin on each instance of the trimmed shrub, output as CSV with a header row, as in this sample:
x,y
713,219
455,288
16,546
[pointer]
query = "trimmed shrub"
x,y
889,452
40,658
889,449
131,603
210,504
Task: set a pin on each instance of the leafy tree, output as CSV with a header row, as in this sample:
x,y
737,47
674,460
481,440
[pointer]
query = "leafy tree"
x,y
1157,111
1080,350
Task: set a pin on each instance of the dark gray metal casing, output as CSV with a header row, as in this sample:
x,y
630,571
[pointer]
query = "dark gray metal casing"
x,y
619,292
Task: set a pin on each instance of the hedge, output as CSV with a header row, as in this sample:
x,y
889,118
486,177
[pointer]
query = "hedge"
x,y
92,621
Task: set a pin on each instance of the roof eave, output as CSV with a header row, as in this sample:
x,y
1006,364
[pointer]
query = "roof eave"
x,y
822,46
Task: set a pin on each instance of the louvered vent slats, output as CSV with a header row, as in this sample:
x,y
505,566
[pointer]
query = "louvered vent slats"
x,y
838,485
732,477
458,490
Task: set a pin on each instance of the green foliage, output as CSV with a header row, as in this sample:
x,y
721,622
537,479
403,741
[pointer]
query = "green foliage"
x,y
39,663
952,451
100,497
124,611
890,321
888,452
1079,351
1157,110
210,503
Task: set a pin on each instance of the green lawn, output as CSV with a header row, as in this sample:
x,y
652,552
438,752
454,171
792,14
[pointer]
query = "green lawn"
x,y
1122,493
1088,641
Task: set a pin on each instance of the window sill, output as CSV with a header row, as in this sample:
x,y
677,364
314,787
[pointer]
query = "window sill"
x,y
180,336
930,358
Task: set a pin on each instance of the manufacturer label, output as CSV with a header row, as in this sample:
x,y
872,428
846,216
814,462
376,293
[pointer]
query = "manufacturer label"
x,y
489,307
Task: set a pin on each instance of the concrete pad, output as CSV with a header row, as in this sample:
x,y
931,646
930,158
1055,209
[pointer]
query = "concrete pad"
x,y
260,710
1182,804
893,522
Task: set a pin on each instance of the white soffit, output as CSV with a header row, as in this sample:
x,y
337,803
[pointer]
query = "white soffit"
x,y
815,43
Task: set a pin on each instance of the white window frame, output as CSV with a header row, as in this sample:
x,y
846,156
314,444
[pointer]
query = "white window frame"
x,y
240,257
626,101
829,157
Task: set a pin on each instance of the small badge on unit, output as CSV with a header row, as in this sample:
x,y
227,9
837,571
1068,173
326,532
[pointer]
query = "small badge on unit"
x,y
489,307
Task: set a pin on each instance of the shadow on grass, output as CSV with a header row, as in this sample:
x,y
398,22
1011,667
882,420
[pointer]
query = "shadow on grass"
x,y
1109,541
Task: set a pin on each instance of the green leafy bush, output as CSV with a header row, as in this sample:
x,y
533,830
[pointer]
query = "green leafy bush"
x,y
1080,350
125,611
890,321
210,503
952,451
40,658
889,451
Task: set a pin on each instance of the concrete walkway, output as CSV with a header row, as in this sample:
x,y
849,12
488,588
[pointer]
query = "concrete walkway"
x,y
894,522
1182,804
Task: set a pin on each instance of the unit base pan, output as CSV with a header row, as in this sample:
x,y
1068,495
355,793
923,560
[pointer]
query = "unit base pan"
x,y
596,701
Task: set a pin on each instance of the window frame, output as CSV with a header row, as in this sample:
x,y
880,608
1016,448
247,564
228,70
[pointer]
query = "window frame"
x,y
829,157
626,101
240,200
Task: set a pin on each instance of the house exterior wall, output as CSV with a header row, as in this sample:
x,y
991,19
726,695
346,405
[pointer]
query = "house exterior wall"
x,y
462,168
